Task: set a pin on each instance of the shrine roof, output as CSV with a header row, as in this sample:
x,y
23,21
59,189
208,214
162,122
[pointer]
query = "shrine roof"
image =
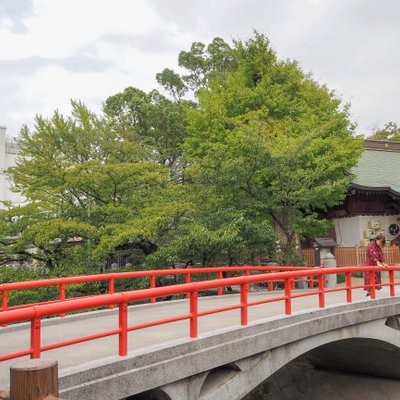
x,y
379,167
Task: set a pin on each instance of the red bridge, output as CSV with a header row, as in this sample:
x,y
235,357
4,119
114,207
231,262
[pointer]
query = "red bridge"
x,y
203,316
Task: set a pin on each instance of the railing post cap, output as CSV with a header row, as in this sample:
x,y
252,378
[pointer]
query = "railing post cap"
x,y
33,365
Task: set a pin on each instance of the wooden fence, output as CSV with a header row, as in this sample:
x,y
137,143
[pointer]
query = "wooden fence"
x,y
352,256
309,256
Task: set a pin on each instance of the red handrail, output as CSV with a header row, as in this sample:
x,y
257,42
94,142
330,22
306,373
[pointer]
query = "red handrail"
x,y
34,314
5,288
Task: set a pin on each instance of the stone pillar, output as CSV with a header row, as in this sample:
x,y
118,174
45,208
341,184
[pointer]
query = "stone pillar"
x,y
330,262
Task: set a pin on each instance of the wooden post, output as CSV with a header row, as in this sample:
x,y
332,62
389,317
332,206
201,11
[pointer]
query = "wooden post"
x,y
358,256
34,379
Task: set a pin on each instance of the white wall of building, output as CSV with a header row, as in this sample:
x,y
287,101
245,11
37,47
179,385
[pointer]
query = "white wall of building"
x,y
355,231
8,156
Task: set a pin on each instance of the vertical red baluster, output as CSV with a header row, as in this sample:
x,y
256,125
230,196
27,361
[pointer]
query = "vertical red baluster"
x,y
123,326
188,281
270,283
244,288
288,297
348,287
152,286
35,337
372,283
321,289
111,290
193,315
62,296
311,282
4,302
220,289
391,280
247,273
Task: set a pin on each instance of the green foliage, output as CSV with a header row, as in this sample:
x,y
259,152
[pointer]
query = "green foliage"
x,y
172,83
213,233
37,295
153,121
86,179
341,278
30,295
206,62
391,131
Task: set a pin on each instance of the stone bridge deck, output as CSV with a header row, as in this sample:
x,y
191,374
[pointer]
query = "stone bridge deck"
x,y
17,337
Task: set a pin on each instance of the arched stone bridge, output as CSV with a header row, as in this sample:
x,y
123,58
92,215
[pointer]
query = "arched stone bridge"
x,y
362,337
227,360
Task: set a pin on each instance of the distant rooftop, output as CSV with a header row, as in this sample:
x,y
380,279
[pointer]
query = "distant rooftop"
x,y
385,145
379,167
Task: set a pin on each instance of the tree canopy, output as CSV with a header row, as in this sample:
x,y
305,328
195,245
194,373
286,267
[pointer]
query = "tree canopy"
x,y
253,159
85,178
390,131
273,141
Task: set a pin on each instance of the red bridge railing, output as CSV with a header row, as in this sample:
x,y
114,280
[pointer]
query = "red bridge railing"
x,y
35,313
111,278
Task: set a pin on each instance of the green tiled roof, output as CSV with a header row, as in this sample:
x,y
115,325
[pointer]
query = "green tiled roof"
x,y
378,169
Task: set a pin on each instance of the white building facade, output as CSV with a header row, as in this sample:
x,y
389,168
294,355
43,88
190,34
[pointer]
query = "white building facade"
x,y
356,231
8,156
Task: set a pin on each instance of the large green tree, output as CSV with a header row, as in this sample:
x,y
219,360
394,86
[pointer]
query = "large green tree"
x,y
89,183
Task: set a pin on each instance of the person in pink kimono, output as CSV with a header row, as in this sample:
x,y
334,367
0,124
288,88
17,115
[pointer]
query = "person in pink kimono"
x,y
374,258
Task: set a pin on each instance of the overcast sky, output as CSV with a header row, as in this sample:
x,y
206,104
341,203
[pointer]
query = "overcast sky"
x,y
52,51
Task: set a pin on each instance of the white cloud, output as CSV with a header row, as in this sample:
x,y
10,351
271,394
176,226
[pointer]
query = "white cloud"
x,y
58,27
55,50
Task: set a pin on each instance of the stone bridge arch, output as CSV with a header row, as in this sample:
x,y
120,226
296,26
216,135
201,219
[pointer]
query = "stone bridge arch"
x,y
371,348
217,377
154,394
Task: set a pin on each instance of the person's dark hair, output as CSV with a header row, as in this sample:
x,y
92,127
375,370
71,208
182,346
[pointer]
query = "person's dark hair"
x,y
381,237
